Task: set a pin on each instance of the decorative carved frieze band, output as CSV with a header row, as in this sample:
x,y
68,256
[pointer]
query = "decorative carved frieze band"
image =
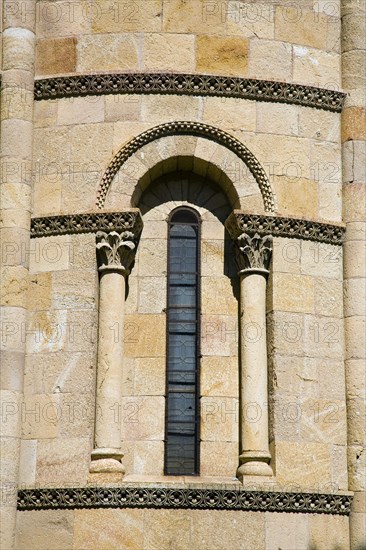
x,y
189,84
162,497
253,253
115,250
87,223
279,226
237,223
193,129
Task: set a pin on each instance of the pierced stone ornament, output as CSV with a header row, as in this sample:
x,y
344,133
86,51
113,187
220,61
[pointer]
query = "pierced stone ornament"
x,y
115,250
253,253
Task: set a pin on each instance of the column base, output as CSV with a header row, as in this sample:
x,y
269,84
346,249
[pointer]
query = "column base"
x,y
254,464
107,460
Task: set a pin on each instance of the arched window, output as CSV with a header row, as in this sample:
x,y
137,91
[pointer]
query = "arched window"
x,y
183,315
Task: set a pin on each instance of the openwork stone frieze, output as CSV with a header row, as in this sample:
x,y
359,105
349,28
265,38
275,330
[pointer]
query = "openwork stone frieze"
x,y
188,84
86,223
192,129
201,499
279,226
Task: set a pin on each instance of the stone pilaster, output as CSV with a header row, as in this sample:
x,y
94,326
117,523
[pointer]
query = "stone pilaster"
x,y
253,255
354,193
18,49
115,252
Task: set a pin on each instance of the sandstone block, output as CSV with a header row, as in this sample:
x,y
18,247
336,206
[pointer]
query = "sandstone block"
x,y
250,20
321,260
286,531
152,295
293,293
143,418
54,462
319,125
16,103
316,68
307,465
166,52
220,288
122,107
14,284
219,335
222,55
219,419
219,377
230,113
18,142
145,335
50,253
328,297
108,528
144,458
329,531
165,528
113,52
39,295
309,28
274,118
91,147
208,527
296,196
56,56
80,110
45,113
195,17
353,124
139,16
218,458
270,59
28,461
150,376
354,256
54,530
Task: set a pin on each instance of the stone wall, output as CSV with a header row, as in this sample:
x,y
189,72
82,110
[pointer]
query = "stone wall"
x,y
70,143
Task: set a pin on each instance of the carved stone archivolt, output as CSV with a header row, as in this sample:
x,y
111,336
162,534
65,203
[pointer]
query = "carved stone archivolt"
x,y
187,498
192,129
189,84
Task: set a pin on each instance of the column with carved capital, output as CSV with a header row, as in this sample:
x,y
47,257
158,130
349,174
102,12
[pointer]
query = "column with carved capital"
x,y
253,257
115,252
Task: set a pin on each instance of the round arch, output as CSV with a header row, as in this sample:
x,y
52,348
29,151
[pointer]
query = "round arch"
x,y
193,132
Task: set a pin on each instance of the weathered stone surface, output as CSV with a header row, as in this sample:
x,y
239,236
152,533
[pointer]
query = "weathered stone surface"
x,y
218,458
54,530
270,59
309,28
210,527
166,52
329,531
140,16
113,52
219,419
56,56
315,67
222,55
219,377
143,418
292,292
194,17
287,531
80,110
53,461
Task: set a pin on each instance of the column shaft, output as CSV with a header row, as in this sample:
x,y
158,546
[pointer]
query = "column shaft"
x,y
16,136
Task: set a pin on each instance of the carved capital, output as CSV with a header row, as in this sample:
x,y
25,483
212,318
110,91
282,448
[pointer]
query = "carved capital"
x,y
115,251
253,253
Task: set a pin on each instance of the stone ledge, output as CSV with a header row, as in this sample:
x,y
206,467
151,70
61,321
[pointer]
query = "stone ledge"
x,y
188,84
207,498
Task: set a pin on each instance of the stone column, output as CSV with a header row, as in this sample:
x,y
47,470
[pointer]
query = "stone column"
x,y
354,192
253,257
115,253
16,136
